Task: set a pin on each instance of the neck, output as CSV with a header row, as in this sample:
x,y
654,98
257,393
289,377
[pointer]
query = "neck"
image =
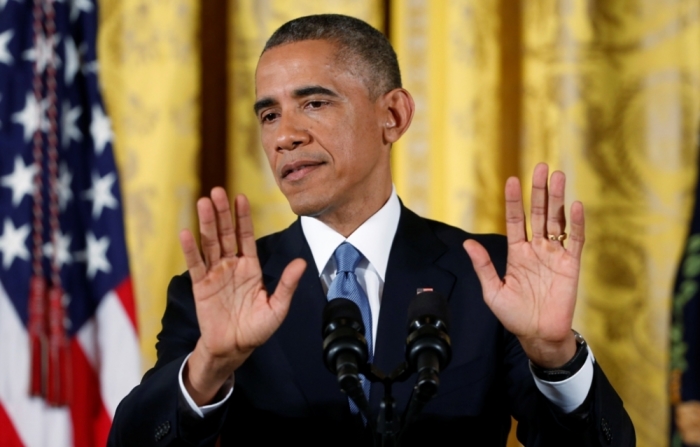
x,y
346,219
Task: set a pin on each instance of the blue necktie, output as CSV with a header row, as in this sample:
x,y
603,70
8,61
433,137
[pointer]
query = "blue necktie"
x,y
345,285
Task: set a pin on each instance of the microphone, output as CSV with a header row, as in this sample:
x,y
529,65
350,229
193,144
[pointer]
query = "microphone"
x,y
428,349
345,347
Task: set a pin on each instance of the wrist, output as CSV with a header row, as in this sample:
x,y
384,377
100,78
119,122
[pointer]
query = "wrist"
x,y
550,354
566,370
204,375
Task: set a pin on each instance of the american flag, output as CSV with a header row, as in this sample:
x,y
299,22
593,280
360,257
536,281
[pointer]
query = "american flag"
x,y
69,346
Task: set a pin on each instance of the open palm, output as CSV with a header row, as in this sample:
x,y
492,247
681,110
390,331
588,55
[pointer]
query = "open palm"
x,y
234,310
536,298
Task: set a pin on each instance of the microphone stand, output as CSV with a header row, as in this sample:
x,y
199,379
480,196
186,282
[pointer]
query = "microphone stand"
x,y
388,425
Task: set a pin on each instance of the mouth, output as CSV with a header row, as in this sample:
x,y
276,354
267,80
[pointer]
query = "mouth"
x,y
299,169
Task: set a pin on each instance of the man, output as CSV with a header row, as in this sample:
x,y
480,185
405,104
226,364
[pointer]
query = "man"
x,y
239,355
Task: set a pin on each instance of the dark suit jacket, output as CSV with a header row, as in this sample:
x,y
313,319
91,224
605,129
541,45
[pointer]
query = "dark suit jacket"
x,y
283,391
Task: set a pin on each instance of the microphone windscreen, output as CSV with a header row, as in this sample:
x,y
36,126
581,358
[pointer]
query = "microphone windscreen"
x,y
429,304
338,308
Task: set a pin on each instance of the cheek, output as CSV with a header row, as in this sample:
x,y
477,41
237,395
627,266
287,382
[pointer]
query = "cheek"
x,y
356,152
271,156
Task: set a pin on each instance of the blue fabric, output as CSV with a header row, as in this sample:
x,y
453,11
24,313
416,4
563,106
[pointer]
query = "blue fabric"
x,y
345,285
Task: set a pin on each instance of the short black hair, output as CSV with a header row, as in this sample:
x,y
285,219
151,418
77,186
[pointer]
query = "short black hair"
x,y
359,43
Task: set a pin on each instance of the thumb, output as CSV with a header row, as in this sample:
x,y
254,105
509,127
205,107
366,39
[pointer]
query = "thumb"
x,y
490,281
282,297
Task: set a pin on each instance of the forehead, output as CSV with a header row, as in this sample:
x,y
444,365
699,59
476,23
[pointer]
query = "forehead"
x,y
287,67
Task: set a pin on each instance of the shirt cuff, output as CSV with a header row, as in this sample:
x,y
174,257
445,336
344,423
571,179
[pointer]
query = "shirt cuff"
x,y
569,394
206,409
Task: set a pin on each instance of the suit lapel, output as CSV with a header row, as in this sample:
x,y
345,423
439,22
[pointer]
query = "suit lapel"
x,y
411,266
299,336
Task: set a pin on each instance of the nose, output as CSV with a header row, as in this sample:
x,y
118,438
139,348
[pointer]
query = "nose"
x,y
291,133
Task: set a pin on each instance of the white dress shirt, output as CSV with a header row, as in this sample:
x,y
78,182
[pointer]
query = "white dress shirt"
x,y
373,239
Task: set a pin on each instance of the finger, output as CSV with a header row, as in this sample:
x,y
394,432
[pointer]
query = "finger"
x,y
224,222
515,217
490,281
538,210
244,228
207,231
556,218
289,280
193,259
577,230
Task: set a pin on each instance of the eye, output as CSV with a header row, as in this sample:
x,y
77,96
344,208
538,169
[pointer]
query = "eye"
x,y
268,117
316,104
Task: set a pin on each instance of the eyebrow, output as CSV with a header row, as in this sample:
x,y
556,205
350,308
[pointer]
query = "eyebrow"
x,y
298,93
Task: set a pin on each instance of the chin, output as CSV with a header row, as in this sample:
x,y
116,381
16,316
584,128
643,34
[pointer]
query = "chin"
x,y
303,205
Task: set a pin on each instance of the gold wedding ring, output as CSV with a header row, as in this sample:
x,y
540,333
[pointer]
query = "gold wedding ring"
x,y
559,238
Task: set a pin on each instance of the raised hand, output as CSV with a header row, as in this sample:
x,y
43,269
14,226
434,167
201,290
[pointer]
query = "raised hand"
x,y
234,311
536,298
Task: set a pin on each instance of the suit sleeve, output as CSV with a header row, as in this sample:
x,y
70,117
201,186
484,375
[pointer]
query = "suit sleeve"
x,y
155,412
600,421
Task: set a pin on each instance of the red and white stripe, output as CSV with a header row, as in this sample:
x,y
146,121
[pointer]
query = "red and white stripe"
x,y
106,366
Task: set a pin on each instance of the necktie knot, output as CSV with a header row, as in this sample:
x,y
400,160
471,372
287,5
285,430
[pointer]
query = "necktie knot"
x,y
347,257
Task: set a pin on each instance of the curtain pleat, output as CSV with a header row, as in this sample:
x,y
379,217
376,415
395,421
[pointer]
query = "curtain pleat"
x,y
149,69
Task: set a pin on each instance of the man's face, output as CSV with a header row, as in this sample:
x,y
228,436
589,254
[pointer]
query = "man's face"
x,y
321,132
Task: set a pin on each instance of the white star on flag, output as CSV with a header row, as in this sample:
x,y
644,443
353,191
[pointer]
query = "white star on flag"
x,y
100,129
63,255
12,243
32,116
72,59
4,2
79,5
5,55
101,194
21,180
69,127
43,53
97,255
91,67
63,189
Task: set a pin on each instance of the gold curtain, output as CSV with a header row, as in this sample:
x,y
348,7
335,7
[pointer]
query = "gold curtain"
x,y
447,166
148,52
609,93
251,23
614,99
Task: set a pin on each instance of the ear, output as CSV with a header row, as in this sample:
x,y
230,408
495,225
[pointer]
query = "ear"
x,y
397,111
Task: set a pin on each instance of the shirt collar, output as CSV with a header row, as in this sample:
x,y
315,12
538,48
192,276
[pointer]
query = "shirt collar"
x,y
373,238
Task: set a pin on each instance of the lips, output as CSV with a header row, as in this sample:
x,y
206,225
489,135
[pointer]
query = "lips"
x,y
299,169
